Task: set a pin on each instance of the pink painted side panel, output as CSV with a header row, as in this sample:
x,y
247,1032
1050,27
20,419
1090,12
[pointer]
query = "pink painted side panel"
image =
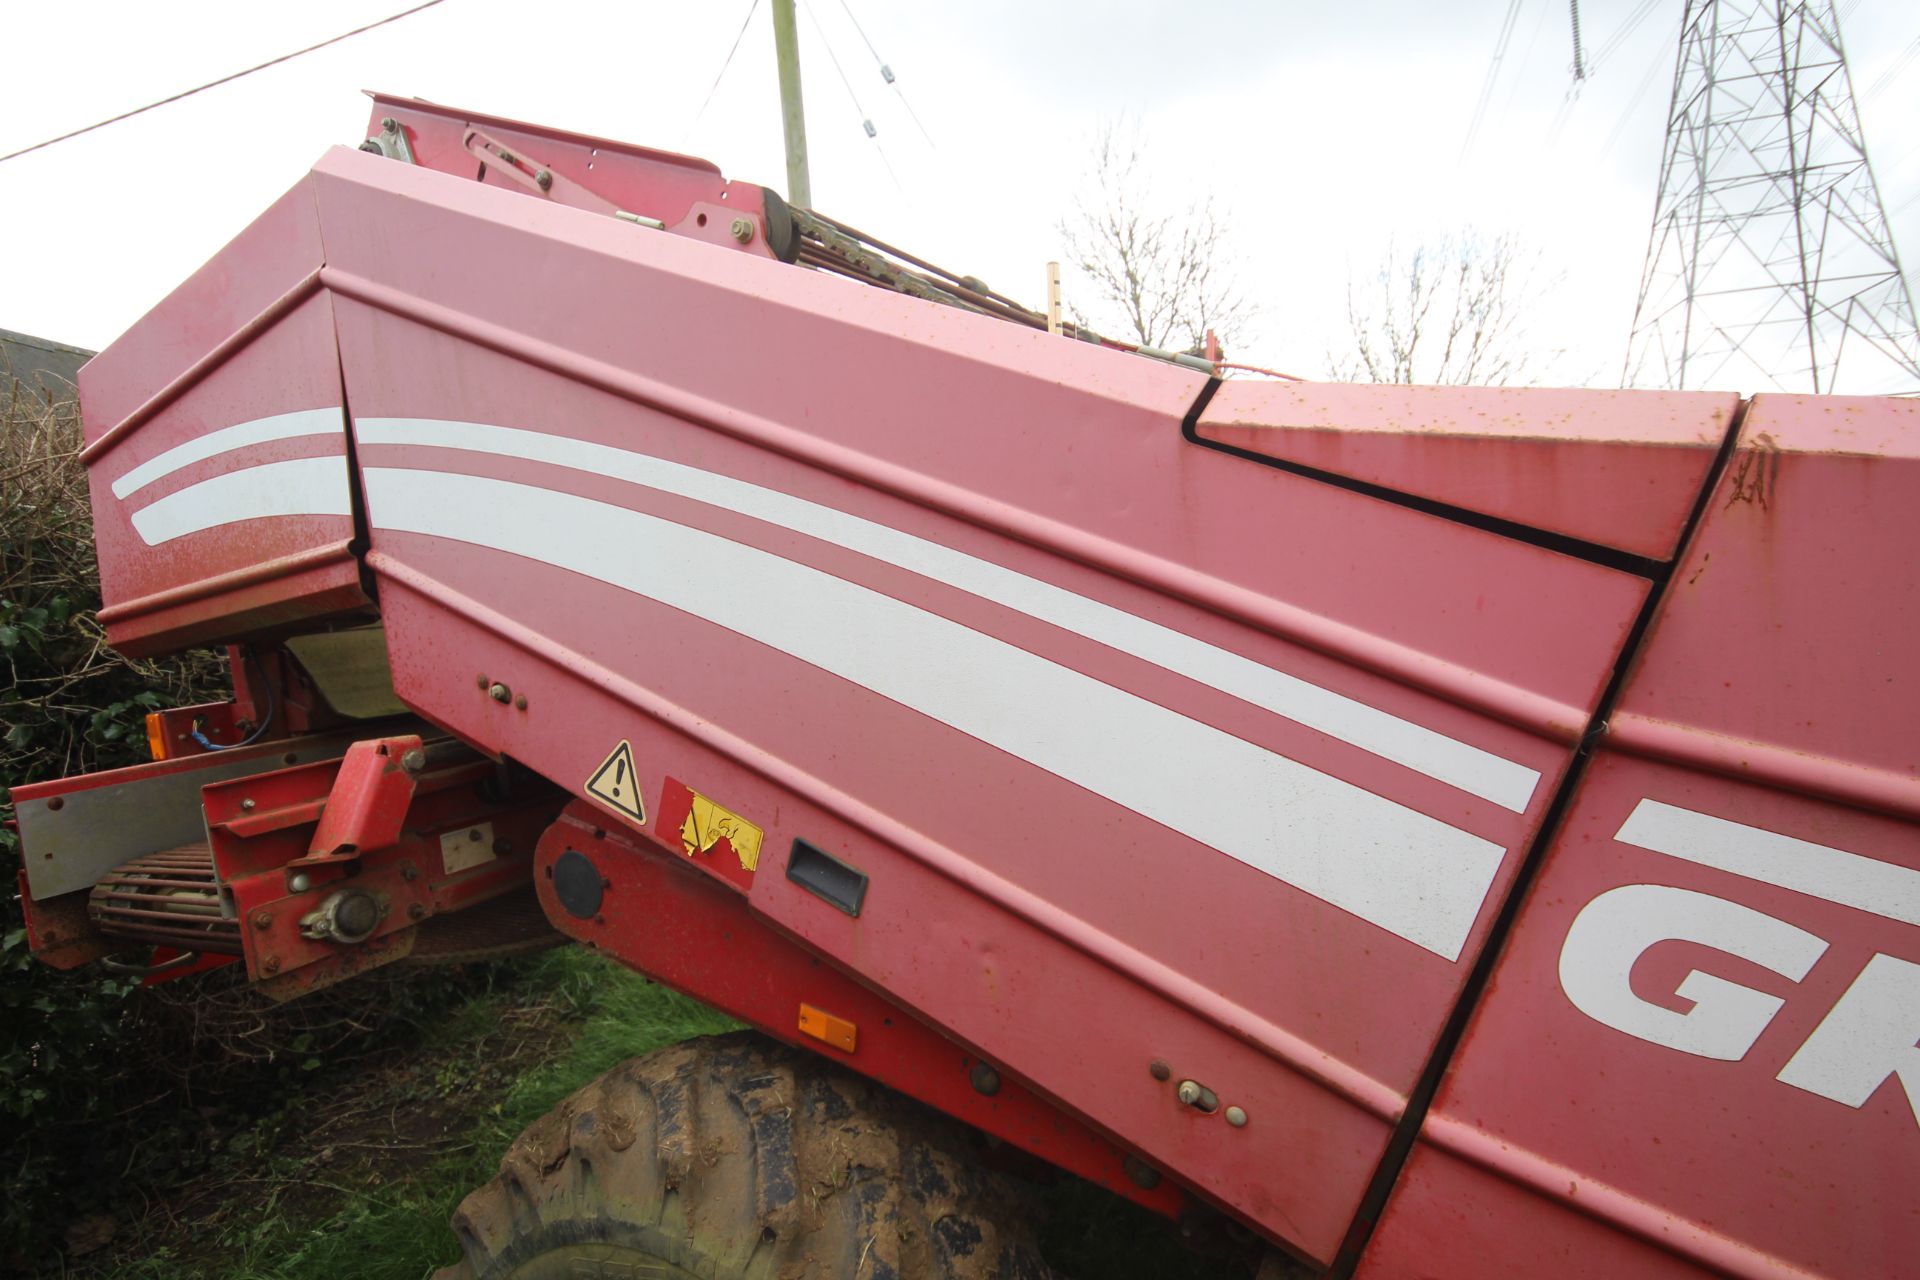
x,y
272,256
865,384
226,581
1789,640
1067,936
1720,1162
1454,1221
1755,804
1058,923
1044,1009
1621,469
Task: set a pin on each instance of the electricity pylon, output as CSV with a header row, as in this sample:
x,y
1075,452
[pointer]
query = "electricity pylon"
x,y
1770,266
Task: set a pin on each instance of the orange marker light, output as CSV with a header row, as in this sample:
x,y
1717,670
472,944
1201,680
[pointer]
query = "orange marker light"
x,y
837,1032
156,736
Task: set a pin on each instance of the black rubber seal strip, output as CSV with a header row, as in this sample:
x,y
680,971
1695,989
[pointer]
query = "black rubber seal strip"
x,y
1400,1145
1579,548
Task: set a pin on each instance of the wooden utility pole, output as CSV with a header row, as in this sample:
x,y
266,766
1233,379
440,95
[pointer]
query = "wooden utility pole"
x,y
793,119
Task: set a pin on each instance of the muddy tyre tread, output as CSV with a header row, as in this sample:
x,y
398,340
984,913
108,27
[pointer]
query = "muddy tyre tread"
x,y
738,1158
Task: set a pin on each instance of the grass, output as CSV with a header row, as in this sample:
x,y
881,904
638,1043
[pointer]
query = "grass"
x,y
358,1180
293,1213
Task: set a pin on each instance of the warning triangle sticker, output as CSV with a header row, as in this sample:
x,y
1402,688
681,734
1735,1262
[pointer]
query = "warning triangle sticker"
x,y
615,785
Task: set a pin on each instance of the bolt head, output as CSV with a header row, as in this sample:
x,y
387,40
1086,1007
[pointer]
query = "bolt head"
x,y
520,702
742,229
1236,1117
356,915
986,1081
1188,1092
545,179
417,912
499,692
300,882
270,965
414,761
1140,1173
389,123
263,919
246,805
1159,1070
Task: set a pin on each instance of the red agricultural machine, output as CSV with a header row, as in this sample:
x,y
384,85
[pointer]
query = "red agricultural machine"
x,y
1443,832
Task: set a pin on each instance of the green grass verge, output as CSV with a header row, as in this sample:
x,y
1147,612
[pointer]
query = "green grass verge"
x,y
304,1227
399,1231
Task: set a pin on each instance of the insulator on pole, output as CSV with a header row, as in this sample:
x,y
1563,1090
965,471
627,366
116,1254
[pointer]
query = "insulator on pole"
x,y
1579,52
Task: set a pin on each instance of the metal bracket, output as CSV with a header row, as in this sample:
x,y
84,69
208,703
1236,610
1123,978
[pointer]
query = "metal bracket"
x,y
367,806
390,142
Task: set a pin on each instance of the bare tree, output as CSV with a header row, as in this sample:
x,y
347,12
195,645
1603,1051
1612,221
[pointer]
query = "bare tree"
x,y
1450,312
1159,273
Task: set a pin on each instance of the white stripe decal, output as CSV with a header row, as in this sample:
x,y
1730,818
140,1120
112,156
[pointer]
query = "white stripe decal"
x,y
1400,869
284,426
1458,764
1819,870
299,487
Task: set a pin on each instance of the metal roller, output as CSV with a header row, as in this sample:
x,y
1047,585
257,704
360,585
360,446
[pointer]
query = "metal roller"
x,y
168,898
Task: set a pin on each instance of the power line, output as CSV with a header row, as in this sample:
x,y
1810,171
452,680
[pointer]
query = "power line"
x,y
863,37
866,121
886,73
1892,73
1493,74
1526,59
753,7
1619,37
214,84
1633,103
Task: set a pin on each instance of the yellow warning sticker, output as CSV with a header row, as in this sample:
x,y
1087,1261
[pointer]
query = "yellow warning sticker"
x,y
614,784
708,824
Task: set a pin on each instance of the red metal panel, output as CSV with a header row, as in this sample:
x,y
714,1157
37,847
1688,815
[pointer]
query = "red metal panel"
x,y
1621,469
1015,906
1453,1220
1786,651
857,382
1701,1033
1715,1160
258,274
168,488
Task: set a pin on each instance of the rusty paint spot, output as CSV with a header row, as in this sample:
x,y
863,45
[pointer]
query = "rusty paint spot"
x,y
1756,477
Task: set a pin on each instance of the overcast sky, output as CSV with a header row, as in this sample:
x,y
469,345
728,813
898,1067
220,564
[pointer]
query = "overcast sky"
x,y
1323,131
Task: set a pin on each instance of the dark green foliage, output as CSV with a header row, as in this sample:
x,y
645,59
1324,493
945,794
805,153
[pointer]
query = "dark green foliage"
x,y
68,704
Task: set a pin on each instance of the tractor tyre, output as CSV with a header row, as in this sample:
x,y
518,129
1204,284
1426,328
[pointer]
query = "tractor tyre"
x,y
736,1158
